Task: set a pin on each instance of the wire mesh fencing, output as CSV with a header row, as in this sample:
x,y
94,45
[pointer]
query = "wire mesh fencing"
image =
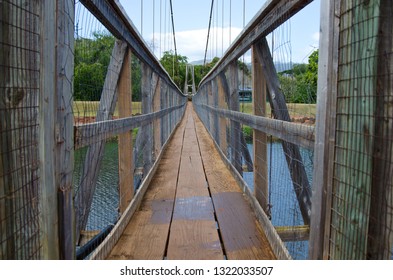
x,y
125,110
361,212
255,115
19,130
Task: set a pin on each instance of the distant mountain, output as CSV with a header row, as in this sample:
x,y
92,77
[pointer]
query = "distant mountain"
x,y
199,62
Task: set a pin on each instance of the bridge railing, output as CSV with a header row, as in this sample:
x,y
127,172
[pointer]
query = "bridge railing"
x,y
138,106
346,175
275,166
76,151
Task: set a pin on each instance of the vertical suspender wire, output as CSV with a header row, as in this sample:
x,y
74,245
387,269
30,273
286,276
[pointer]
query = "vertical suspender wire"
x,y
244,24
174,39
222,29
208,33
230,22
154,43
142,18
216,29
160,28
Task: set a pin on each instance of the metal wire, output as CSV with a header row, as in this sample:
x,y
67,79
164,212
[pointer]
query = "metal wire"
x,y
19,130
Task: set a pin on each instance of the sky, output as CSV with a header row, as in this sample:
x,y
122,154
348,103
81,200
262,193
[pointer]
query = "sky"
x,y
298,37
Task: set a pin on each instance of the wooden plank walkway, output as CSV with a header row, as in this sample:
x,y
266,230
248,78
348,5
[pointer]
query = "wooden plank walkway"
x,y
193,208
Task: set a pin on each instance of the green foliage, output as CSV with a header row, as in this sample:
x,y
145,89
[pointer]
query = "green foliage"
x,y
92,58
300,83
175,65
202,70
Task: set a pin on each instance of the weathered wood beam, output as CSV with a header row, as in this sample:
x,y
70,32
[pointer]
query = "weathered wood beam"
x,y
48,203
269,17
280,111
295,233
325,131
235,128
112,15
7,248
222,122
380,236
125,147
261,183
64,128
93,159
302,135
87,134
157,123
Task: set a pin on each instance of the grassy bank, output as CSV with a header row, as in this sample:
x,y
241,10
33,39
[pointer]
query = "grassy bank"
x,y
295,109
89,108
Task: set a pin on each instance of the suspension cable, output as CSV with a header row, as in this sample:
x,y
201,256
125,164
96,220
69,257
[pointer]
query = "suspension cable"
x,y
208,32
174,37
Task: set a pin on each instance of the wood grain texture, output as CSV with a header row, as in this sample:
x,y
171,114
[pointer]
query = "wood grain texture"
x,y
146,235
126,169
242,235
194,233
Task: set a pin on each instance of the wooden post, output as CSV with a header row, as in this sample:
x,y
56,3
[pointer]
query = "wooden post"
x,y
7,248
261,183
356,103
149,84
126,168
157,122
95,152
65,126
380,232
325,131
216,134
222,103
235,126
280,111
48,206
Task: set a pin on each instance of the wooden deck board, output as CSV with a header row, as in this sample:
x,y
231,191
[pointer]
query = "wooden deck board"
x,y
146,235
242,235
193,233
177,217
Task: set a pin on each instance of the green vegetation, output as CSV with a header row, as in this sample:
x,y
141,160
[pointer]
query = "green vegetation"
x,y
89,108
176,68
295,109
300,83
92,57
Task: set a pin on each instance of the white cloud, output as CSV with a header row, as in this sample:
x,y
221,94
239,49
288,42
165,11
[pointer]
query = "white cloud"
x,y
192,43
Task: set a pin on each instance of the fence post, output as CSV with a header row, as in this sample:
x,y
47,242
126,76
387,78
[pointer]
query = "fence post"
x,y
261,187
325,131
235,126
49,220
222,103
125,147
157,122
65,126
380,232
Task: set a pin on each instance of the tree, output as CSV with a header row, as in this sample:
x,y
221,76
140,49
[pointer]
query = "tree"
x,y
299,84
175,65
92,58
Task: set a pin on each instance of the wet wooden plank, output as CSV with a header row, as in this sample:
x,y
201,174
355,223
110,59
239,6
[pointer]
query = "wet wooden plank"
x,y
193,233
242,236
146,235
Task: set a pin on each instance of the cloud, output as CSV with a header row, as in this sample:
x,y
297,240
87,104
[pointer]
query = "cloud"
x,y
192,43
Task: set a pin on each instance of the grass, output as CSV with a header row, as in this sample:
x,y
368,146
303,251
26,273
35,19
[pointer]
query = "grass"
x,y
295,109
89,108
